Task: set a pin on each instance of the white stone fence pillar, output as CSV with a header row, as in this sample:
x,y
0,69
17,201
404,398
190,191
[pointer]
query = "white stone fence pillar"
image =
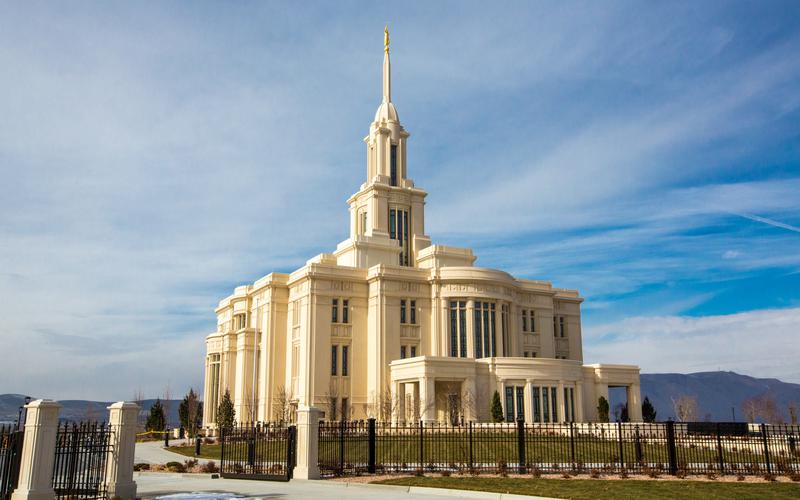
x,y
307,443
38,452
122,443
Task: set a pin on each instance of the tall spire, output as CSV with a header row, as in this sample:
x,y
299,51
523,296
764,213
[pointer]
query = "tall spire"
x,y
387,70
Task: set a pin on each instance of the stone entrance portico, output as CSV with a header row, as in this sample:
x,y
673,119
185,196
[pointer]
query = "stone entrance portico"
x,y
536,390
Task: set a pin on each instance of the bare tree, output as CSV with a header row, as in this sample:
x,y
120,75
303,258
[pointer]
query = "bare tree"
x,y
281,409
383,405
793,413
750,409
192,408
331,401
138,398
685,408
469,404
762,407
166,403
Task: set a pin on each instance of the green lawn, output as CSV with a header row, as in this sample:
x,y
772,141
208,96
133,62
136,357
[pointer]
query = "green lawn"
x,y
208,451
584,489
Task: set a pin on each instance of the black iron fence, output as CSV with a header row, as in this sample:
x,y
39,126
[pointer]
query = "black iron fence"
x,y
262,451
720,448
10,454
79,470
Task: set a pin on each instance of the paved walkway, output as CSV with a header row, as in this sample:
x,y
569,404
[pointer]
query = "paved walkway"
x,y
153,452
154,485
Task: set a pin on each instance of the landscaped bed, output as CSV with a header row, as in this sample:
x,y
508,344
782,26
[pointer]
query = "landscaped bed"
x,y
633,489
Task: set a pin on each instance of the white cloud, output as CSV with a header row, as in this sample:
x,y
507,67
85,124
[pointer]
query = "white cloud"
x,y
763,343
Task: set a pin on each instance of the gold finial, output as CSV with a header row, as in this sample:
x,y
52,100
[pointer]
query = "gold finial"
x,y
386,39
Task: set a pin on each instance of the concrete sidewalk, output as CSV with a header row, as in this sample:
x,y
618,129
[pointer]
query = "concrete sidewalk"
x,y
153,452
152,485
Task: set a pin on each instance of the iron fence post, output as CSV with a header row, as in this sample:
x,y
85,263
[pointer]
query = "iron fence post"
x,y
671,451
166,437
521,445
421,445
341,447
572,444
471,459
719,451
371,445
638,445
766,448
291,450
621,452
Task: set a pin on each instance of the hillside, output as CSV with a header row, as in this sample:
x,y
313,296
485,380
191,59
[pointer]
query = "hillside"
x,y
716,392
77,410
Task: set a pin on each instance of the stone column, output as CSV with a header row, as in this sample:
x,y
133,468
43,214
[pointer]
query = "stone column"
x,y
119,463
38,452
634,403
307,443
402,416
427,398
579,401
469,396
562,413
528,398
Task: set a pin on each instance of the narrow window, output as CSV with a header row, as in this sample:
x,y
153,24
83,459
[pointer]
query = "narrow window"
x,y
545,405
520,403
405,237
536,407
509,404
402,311
413,351
393,164
572,404
345,359
524,320
486,333
413,311
462,321
402,352
555,327
504,326
334,355
393,225
561,325
335,311
364,222
554,402
533,322
477,327
453,329
493,337
345,311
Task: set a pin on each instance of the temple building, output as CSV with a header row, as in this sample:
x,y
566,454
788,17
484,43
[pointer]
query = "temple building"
x,y
392,326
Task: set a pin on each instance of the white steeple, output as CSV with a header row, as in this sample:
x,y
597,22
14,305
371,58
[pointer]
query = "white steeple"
x,y
386,111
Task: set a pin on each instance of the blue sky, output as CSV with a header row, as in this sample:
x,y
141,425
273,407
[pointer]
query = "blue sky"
x,y
154,156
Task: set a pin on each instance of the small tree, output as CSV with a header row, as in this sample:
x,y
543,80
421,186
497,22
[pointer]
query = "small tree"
x,y
648,411
497,408
685,408
602,409
156,420
226,414
190,412
793,413
282,406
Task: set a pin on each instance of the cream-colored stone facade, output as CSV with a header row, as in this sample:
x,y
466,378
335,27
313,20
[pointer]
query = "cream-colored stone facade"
x,y
392,326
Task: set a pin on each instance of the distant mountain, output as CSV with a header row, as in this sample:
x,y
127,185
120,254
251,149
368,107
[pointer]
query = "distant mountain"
x,y
76,410
716,393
